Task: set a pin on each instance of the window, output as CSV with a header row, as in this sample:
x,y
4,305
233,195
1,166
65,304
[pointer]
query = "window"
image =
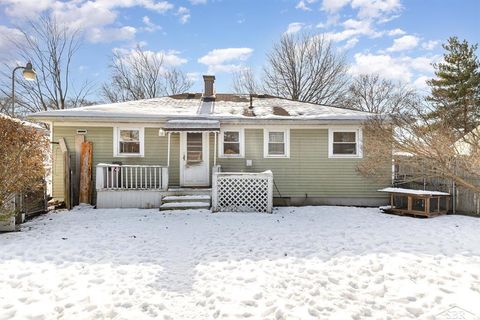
x,y
276,143
231,143
194,147
128,142
344,143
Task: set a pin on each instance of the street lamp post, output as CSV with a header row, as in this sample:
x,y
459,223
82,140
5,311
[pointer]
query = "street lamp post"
x,y
28,74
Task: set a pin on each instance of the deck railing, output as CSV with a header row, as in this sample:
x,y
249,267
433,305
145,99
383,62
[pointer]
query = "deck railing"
x,y
131,177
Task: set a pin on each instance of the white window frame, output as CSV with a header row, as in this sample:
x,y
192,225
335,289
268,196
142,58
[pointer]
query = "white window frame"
x,y
241,136
116,142
358,141
266,137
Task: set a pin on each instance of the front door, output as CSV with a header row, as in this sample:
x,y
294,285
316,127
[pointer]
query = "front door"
x,y
194,160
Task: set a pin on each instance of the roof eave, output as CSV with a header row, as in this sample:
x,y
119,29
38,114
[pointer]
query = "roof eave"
x,y
232,120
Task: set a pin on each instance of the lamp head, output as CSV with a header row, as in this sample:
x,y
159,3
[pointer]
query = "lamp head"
x,y
29,73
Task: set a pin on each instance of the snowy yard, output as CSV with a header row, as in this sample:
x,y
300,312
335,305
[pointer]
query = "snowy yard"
x,y
298,263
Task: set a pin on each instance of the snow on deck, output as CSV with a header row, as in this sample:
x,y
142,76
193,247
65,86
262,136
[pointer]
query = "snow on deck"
x,y
415,192
298,263
171,108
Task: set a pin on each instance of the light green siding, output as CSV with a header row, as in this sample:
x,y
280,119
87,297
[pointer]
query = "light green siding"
x,y
102,138
307,173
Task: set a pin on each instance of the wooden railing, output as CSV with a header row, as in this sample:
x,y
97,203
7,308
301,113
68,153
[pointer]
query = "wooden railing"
x,y
131,177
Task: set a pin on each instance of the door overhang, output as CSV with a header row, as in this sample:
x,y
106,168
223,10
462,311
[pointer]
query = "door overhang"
x,y
192,125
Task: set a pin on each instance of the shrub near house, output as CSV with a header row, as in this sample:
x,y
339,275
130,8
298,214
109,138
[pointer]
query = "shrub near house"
x,y
23,153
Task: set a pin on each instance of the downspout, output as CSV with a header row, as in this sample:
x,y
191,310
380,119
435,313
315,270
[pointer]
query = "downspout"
x,y
454,189
168,149
215,149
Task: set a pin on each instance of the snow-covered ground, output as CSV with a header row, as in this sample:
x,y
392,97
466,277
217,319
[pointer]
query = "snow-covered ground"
x,y
298,263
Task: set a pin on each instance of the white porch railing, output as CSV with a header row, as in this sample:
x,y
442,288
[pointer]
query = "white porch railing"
x,y
131,177
242,192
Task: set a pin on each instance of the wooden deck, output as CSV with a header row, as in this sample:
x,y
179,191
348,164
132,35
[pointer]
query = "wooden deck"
x,y
417,203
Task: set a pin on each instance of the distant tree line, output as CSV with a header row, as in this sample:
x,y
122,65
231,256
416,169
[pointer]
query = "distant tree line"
x,y
52,46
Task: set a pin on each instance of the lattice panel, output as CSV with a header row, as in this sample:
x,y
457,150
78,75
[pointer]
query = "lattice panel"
x,y
243,193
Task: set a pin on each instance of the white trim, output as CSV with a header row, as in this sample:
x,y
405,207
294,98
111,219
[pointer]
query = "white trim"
x,y
227,123
241,137
110,124
116,135
286,142
358,141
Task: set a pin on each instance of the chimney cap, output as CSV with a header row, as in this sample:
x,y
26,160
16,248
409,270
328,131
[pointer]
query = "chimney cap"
x,y
209,90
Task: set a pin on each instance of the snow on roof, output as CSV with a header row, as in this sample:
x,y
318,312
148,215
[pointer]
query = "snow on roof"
x,y
22,122
224,107
415,192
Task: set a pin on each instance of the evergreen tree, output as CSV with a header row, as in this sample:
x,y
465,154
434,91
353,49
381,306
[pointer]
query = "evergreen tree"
x,y
455,92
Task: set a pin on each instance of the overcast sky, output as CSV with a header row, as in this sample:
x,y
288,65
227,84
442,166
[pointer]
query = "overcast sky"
x,y
398,39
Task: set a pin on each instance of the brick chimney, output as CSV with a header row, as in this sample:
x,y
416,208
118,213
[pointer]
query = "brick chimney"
x,y
209,89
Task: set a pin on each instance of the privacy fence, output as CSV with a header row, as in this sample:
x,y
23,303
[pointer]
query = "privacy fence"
x,y
463,200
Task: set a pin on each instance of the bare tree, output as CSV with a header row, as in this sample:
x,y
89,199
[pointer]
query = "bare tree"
x,y
176,81
244,81
5,105
371,93
141,74
423,148
51,47
306,68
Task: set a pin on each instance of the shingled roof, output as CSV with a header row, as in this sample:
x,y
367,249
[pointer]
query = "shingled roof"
x,y
221,106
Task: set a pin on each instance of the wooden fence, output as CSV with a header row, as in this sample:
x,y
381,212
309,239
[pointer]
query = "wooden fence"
x,y
463,200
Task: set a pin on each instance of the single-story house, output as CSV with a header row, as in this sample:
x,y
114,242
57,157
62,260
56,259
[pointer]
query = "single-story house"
x,y
175,143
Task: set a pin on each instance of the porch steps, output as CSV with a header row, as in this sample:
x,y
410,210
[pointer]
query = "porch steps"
x,y
187,198
186,201
177,191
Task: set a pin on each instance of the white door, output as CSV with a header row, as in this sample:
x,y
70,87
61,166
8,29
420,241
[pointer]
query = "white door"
x,y
194,160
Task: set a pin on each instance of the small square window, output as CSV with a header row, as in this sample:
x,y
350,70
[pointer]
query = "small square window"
x,y
344,143
231,143
276,143
128,142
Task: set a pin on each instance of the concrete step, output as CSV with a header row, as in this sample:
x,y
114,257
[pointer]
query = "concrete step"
x,y
188,191
184,205
187,198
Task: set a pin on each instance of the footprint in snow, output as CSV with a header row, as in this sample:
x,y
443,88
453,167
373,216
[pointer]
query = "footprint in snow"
x,y
333,280
415,311
258,296
250,303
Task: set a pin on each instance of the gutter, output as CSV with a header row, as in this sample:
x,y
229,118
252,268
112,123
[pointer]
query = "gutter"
x,y
232,120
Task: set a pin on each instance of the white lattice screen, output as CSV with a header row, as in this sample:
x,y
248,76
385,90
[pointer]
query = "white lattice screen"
x,y
242,192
